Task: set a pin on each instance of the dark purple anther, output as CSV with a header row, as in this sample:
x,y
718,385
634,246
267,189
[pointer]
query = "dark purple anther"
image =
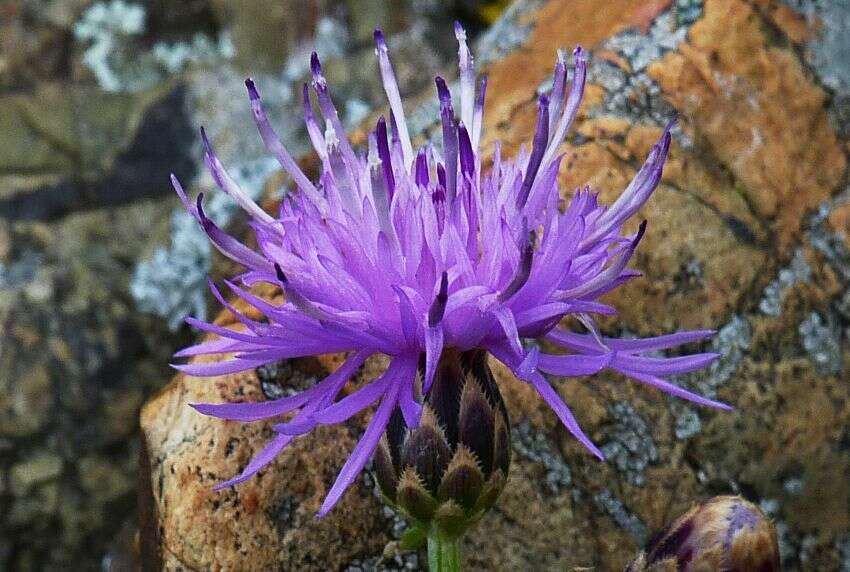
x,y
281,277
641,231
450,144
438,308
315,66
467,158
394,129
253,94
199,207
559,85
524,270
422,176
379,39
541,139
384,155
441,175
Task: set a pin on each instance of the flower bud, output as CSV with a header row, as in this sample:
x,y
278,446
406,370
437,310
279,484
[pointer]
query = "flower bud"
x,y
450,469
724,533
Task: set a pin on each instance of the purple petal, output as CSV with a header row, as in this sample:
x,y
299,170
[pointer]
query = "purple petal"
x,y
218,368
259,461
229,186
274,145
252,411
675,390
363,450
433,349
211,347
541,137
351,405
551,397
393,96
575,365
263,409
664,366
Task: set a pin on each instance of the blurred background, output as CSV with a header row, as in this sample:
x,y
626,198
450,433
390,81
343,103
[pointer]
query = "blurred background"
x,y
101,100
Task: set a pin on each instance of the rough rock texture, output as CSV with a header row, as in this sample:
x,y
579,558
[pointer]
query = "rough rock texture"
x,y
99,101
747,234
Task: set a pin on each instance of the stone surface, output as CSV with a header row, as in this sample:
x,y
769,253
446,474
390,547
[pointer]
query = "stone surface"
x,y
99,101
270,519
751,191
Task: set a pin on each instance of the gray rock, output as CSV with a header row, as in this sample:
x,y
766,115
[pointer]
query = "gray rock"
x,y
821,338
797,271
535,447
39,468
630,447
624,518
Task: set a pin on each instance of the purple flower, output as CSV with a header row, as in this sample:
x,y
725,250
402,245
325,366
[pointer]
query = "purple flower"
x,y
405,252
723,533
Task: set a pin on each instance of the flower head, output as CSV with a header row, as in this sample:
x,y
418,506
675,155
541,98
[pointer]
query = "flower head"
x,y
447,471
409,252
724,533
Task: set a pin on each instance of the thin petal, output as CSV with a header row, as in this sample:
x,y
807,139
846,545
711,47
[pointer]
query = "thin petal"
x,y
259,461
363,451
551,397
675,390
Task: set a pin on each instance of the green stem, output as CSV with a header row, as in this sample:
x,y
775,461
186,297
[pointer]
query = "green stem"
x,y
443,553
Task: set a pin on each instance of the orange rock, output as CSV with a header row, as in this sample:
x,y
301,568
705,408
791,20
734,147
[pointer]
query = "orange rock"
x,y
839,220
754,106
729,207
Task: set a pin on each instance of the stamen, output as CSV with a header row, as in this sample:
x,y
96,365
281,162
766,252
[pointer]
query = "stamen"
x,y
541,138
478,117
558,89
274,145
467,76
450,143
393,96
467,158
384,154
379,185
422,175
313,129
438,308
571,108
229,186
524,270
320,84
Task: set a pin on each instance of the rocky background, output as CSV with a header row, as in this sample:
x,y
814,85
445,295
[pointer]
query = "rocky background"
x,y
749,233
99,102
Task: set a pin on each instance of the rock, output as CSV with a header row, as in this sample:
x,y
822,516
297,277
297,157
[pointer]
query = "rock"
x,y
755,154
269,519
102,477
764,120
24,401
38,469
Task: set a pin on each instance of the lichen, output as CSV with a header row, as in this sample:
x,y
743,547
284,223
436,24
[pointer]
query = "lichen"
x,y
629,446
774,293
113,32
624,518
535,447
821,339
171,284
